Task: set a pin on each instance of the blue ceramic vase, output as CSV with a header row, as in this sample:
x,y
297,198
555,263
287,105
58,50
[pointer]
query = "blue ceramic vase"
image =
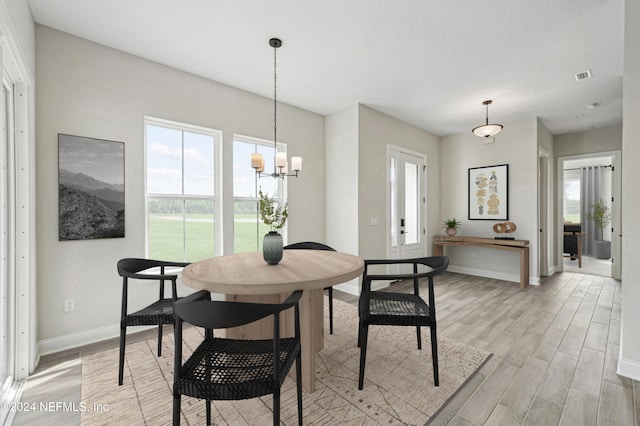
x,y
272,248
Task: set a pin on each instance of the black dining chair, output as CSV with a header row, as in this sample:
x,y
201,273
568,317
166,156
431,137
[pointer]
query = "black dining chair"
x,y
232,369
157,313
312,245
400,309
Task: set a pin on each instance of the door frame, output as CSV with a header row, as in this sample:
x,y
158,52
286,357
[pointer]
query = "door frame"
x,y
616,217
544,201
393,150
14,70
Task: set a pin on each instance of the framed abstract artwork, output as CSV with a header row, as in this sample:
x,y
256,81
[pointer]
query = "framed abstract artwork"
x,y
489,192
90,188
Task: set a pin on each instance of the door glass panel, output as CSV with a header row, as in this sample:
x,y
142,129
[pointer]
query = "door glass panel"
x,y
411,197
393,178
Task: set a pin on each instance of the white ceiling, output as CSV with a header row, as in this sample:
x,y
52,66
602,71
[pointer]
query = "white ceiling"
x,y
430,63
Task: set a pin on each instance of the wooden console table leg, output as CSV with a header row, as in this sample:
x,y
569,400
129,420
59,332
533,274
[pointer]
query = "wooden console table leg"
x,y
524,267
579,240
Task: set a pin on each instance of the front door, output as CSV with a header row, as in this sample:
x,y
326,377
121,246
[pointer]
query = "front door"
x,y
406,204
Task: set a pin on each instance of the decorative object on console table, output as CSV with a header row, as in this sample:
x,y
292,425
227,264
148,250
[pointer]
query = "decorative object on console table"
x,y
504,228
451,226
275,217
599,213
489,192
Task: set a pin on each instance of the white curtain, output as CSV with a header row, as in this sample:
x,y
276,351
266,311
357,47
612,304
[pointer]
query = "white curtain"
x,y
591,190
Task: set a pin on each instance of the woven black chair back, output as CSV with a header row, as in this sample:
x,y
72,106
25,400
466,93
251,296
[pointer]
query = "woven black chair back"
x,y
400,309
312,245
232,369
159,312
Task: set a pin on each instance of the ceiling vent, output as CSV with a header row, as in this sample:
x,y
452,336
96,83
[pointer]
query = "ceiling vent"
x,y
583,75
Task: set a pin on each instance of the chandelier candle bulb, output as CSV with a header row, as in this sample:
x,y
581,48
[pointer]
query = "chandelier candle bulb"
x,y
296,164
256,160
281,159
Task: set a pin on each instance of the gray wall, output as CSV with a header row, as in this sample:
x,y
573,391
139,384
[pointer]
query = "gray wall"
x,y
376,131
589,141
89,90
516,145
342,179
629,363
357,139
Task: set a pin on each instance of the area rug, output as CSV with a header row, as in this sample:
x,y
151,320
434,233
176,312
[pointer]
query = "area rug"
x,y
398,384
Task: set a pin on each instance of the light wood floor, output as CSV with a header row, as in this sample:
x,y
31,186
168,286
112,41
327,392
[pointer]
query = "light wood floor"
x,y
555,351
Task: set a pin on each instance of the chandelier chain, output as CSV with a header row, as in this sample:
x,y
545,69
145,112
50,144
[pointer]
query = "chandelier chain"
x,y
275,102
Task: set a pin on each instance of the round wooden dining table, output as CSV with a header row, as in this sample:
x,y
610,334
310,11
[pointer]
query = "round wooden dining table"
x,y
247,277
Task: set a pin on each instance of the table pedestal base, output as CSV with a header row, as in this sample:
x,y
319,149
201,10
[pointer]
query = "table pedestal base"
x,y
311,327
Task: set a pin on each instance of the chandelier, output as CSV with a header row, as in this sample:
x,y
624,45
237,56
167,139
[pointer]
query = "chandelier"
x,y
280,165
487,130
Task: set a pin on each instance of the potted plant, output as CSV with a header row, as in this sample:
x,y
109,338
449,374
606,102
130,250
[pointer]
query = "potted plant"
x,y
451,226
275,217
600,214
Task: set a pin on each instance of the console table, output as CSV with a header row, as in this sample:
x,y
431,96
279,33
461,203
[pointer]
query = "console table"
x,y
521,246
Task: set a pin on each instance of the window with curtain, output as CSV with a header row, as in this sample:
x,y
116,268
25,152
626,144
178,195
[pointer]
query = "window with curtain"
x,y
572,196
180,190
248,229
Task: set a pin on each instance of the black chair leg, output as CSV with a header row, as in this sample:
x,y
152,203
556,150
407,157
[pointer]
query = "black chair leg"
x,y
208,405
299,386
176,409
363,355
276,407
419,337
434,356
159,339
330,310
123,334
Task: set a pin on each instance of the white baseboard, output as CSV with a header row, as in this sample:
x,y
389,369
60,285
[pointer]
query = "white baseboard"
x,y
628,368
82,338
351,287
491,274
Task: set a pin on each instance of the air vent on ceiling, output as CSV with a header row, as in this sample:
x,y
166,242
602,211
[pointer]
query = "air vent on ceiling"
x,y
583,75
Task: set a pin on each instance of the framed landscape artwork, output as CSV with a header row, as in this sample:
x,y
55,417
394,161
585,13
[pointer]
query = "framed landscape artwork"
x,y
90,188
489,192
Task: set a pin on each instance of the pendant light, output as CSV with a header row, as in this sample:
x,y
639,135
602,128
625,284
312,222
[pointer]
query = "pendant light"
x,y
487,130
280,165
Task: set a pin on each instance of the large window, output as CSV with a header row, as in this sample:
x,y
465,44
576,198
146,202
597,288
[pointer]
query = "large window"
x,y
248,229
181,191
